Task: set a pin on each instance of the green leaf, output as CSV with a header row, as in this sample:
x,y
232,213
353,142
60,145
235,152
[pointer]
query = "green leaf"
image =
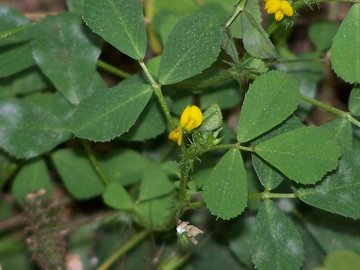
x,y
308,72
75,6
119,22
255,38
304,154
66,55
322,33
213,255
150,123
314,254
333,232
271,98
270,177
116,196
153,65
252,7
125,167
216,11
275,243
163,23
10,17
155,183
32,177
12,25
9,35
171,168
240,243
339,190
25,82
54,103
225,190
27,130
110,113
227,5
227,96
158,214
15,47
354,101
229,46
185,7
78,174
192,46
15,58
341,131
346,46
342,259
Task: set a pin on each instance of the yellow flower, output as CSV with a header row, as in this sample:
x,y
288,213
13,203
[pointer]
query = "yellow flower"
x,y
176,135
279,8
191,118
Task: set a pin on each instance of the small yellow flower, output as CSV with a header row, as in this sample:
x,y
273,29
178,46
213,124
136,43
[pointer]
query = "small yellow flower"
x,y
176,135
191,118
279,8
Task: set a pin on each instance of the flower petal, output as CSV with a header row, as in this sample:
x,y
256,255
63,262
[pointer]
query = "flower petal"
x,y
272,6
279,15
286,8
185,116
176,135
191,118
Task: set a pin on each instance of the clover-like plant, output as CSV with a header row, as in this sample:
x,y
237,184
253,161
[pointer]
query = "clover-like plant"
x,y
217,124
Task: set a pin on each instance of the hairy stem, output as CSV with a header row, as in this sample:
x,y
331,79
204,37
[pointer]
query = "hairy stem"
x,y
184,177
301,3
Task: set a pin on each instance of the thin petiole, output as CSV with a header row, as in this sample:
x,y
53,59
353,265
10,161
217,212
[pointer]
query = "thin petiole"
x,y
111,69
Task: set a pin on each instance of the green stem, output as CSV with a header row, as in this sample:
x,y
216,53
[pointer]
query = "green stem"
x,y
239,7
334,110
157,90
95,162
114,70
184,177
122,251
249,149
148,75
267,195
272,28
324,106
228,146
353,120
164,107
